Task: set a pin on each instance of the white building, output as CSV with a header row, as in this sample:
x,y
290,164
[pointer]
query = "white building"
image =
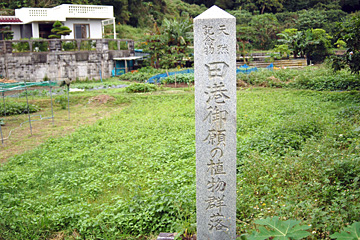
x,y
85,21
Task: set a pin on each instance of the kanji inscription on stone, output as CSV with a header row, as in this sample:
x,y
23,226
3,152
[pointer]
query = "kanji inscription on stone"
x,y
215,115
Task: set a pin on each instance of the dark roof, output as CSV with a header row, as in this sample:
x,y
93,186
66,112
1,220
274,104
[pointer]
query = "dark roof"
x,y
9,19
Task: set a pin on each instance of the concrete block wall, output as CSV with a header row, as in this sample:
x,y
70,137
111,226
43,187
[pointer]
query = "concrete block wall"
x,y
61,65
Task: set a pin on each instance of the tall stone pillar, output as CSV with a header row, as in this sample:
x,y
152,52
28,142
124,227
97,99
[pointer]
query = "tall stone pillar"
x,y
215,106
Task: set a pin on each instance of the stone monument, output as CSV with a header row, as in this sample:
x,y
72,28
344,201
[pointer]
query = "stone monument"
x,y
215,107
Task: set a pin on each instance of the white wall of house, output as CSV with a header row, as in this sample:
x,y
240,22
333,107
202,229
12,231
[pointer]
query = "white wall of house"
x,y
94,26
17,32
68,14
35,30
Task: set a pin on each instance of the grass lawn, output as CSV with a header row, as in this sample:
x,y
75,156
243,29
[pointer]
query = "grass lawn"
x,y
131,175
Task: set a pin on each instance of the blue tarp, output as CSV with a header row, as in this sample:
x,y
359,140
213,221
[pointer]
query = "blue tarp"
x,y
245,69
270,67
158,77
242,69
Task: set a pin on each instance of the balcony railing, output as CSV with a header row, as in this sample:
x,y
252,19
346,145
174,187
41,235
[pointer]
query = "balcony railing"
x,y
64,45
83,11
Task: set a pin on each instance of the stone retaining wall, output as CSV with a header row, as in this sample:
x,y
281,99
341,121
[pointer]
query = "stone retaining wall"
x,y
61,65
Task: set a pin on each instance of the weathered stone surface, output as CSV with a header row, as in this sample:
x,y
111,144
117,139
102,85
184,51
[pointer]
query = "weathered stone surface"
x,y
215,106
59,65
39,58
82,56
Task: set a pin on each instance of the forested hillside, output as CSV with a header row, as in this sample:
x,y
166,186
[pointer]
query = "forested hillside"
x,y
138,13
259,22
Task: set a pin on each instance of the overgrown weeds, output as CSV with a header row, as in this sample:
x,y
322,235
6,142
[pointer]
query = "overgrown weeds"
x,y
134,173
314,78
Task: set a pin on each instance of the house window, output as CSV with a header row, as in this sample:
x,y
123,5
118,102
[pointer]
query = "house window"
x,y
45,30
81,31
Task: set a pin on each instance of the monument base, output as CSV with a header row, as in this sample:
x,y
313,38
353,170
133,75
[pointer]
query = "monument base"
x,y
171,236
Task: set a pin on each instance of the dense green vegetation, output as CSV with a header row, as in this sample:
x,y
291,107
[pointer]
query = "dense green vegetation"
x,y
350,34
134,173
140,88
314,78
321,78
260,20
163,27
15,107
91,84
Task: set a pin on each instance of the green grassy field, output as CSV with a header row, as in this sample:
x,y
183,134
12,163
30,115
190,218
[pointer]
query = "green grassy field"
x,y
132,175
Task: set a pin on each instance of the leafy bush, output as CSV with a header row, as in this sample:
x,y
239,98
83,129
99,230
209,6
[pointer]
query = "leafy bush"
x,y
87,45
136,76
141,75
180,78
284,138
351,114
35,92
62,100
140,87
21,46
350,232
321,79
289,229
113,45
41,46
128,32
112,180
69,45
14,108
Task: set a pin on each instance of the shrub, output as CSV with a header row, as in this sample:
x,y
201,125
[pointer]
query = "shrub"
x,y
14,108
87,45
62,101
140,87
142,74
321,79
69,46
40,46
21,46
180,78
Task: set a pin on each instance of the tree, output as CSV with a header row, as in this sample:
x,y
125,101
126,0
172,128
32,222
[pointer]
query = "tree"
x,y
317,45
350,5
59,30
311,19
287,19
266,27
332,17
178,32
350,34
296,5
291,37
6,33
244,35
169,47
314,43
261,5
243,17
225,4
